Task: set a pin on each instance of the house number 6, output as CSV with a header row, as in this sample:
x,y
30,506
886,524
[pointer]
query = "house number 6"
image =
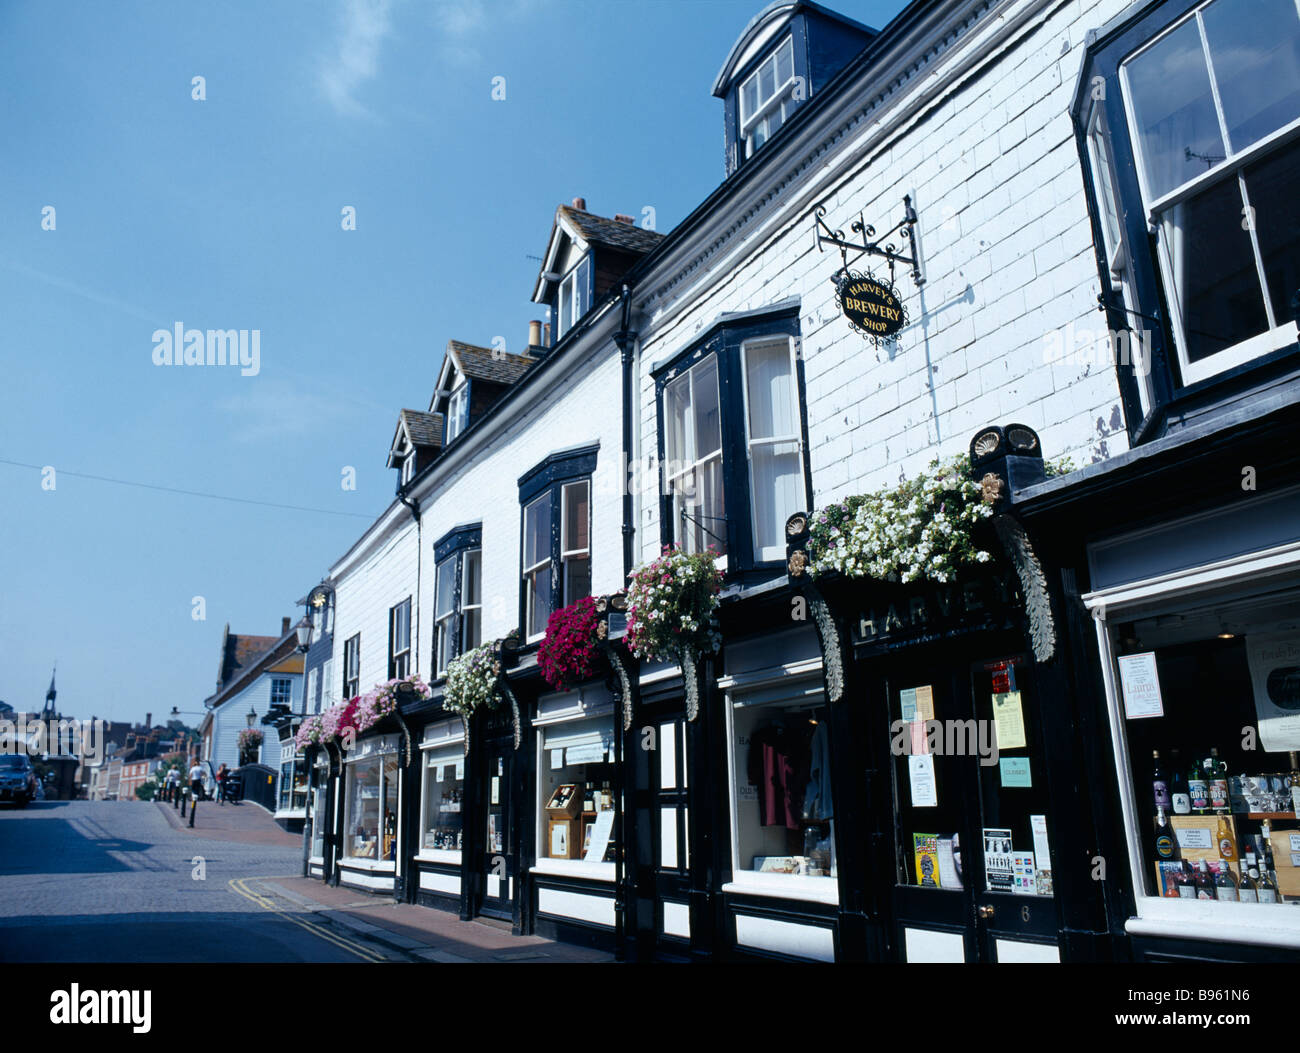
x,y
1024,913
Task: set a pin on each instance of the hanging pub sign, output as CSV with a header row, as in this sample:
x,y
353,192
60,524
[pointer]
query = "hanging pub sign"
x,y
871,305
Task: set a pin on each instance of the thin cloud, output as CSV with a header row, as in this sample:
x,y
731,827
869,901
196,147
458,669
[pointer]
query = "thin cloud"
x,y
81,290
363,26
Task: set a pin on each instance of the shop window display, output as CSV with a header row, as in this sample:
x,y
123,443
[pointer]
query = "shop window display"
x,y
319,809
293,784
784,811
1210,701
371,824
444,793
576,791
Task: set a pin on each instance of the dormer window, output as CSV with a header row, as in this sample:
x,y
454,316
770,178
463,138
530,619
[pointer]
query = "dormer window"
x,y
457,412
767,97
408,467
573,297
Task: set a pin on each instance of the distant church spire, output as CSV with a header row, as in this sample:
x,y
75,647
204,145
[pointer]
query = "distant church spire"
x,y
50,695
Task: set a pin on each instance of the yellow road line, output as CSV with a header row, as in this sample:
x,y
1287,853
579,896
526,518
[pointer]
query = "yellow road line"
x,y
361,951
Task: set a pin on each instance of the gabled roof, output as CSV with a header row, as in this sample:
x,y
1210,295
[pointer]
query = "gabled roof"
x,y
416,429
587,229
280,648
483,363
238,652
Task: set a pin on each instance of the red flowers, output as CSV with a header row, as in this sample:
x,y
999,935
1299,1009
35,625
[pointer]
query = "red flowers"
x,y
568,651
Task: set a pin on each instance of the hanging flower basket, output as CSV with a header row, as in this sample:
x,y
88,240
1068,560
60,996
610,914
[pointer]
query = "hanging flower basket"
x,y
567,654
472,681
309,733
924,529
670,606
249,742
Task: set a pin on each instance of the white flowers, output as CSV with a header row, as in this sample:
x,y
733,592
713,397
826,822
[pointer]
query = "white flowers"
x,y
919,530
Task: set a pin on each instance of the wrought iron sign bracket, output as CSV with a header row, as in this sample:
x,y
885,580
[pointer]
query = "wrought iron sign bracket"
x,y
851,251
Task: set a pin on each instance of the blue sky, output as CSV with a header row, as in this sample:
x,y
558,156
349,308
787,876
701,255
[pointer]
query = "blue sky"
x,y
225,213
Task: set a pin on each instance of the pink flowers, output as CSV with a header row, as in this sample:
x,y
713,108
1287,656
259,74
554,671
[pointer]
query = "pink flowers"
x,y
567,653
670,603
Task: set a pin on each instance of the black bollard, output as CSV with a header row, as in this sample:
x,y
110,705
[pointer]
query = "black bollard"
x,y
194,810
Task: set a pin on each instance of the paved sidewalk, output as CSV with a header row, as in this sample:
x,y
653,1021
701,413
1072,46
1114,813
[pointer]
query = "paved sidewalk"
x,y
244,823
417,933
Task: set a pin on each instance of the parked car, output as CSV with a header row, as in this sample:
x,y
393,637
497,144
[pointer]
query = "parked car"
x,y
17,779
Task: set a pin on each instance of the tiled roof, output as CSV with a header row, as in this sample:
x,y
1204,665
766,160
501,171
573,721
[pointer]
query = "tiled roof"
x,y
242,652
614,232
425,429
483,363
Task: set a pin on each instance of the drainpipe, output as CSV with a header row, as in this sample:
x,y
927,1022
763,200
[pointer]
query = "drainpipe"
x,y
624,338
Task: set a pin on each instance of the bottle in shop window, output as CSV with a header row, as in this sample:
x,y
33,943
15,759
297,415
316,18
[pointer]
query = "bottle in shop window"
x,y
1185,882
1295,783
1224,887
1246,891
1266,868
1265,889
1159,784
1198,790
1178,795
1227,844
1204,881
1164,836
1218,776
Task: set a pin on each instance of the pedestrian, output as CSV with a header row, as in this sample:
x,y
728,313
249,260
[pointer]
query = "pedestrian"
x,y
222,773
196,788
173,784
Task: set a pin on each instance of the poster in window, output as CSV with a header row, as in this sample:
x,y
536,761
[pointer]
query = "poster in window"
x,y
1274,660
1140,685
925,849
998,859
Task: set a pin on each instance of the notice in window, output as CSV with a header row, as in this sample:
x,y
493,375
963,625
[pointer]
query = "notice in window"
x,y
920,771
1140,684
1274,660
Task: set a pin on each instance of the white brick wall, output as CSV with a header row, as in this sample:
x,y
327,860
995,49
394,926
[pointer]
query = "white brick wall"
x,y
994,173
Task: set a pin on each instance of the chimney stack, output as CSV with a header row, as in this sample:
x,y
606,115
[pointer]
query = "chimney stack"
x,y
580,203
284,626
535,333
621,218
546,334
148,720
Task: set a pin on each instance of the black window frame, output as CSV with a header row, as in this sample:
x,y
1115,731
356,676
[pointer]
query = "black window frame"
x,y
455,545
796,31
1173,402
725,340
352,666
395,657
549,477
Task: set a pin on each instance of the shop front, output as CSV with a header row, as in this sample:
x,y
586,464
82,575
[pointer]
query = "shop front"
x,y
371,803
1189,602
440,832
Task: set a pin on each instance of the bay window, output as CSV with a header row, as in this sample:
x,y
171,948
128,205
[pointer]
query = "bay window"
x,y
556,544
458,599
1195,164
733,441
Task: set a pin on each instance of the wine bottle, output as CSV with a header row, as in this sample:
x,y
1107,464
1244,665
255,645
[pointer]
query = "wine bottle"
x,y
1178,794
1159,784
1186,885
1224,887
1204,882
1295,783
1246,890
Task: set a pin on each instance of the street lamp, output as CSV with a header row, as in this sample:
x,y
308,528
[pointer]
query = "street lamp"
x,y
252,717
304,628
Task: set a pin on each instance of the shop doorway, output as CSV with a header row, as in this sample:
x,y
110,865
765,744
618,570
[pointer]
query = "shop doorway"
x,y
500,861
973,874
